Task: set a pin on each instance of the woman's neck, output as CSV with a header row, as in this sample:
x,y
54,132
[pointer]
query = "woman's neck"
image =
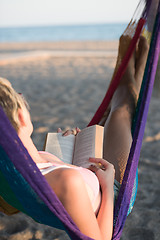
x,y
29,145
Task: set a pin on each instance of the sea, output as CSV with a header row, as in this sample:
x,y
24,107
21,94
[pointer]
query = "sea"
x,y
90,32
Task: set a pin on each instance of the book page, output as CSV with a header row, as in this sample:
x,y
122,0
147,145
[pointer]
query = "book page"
x,y
85,146
62,147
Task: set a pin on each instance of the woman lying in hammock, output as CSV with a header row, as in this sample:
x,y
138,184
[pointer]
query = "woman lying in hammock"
x,y
78,188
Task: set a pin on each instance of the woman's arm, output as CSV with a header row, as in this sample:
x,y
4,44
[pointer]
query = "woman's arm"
x,y
71,190
105,174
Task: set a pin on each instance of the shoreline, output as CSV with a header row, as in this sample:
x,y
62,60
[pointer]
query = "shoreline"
x,y
63,45
33,55
11,52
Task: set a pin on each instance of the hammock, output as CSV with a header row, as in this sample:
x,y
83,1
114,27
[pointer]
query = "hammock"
x,y
22,185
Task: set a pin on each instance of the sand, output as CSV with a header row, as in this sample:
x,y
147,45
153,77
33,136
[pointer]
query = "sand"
x,y
64,84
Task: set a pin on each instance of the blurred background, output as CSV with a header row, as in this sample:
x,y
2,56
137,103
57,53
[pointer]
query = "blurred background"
x,y
61,56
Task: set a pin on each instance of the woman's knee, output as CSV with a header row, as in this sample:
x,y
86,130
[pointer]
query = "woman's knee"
x,y
120,114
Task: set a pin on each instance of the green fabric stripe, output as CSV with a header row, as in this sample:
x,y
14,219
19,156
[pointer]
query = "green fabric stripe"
x,y
8,195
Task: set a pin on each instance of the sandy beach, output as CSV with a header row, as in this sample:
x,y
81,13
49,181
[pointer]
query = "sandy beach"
x,y
64,83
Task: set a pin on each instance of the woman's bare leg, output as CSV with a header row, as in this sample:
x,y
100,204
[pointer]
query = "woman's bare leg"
x,y
117,128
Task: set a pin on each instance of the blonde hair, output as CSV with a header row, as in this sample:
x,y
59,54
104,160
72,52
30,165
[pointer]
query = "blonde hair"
x,y
10,101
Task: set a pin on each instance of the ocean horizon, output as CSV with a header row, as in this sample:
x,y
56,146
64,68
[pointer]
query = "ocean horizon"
x,y
89,32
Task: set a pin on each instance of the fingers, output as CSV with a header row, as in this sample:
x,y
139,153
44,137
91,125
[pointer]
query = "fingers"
x,y
101,163
77,130
59,130
94,168
69,131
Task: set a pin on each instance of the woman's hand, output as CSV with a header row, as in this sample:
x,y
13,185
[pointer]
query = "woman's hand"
x,y
69,131
105,172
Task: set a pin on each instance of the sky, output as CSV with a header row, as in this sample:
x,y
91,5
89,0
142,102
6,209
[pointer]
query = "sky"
x,y
64,12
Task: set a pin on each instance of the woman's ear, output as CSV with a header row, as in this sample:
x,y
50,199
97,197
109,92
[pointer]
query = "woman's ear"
x,y
21,117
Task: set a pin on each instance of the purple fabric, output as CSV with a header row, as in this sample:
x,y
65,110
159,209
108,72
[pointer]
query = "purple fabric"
x,y
147,8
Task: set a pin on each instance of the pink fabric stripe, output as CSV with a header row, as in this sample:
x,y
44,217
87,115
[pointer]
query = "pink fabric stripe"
x,y
114,84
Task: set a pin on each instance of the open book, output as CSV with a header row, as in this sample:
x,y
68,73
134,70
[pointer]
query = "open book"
x,y
77,149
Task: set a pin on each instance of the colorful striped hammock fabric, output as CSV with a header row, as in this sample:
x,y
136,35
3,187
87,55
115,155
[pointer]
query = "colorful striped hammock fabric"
x,y
23,186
